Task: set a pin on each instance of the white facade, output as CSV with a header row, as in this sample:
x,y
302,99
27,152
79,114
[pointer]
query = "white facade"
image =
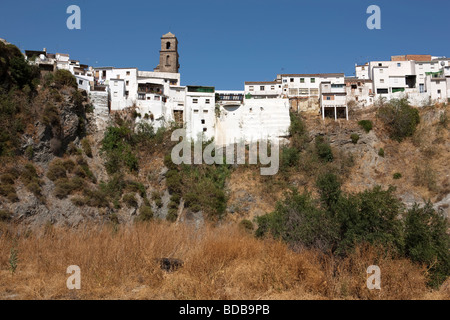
x,y
200,113
252,120
263,89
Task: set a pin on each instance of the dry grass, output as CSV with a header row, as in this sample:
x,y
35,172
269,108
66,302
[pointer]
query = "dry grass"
x,y
219,263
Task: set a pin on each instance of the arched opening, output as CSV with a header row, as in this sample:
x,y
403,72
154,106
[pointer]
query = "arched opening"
x,y
167,60
167,45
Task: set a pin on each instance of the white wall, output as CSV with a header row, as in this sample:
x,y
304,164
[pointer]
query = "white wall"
x,y
255,119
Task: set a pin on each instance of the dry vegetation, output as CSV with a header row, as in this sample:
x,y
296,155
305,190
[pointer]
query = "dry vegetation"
x,y
222,262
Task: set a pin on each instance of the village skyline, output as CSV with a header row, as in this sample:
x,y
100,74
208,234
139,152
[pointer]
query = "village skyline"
x,y
234,42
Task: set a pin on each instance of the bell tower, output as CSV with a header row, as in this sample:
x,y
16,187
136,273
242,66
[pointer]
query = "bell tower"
x,y
168,55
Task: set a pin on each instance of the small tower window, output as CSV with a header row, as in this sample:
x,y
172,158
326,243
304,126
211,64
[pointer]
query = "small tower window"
x,y
167,60
167,45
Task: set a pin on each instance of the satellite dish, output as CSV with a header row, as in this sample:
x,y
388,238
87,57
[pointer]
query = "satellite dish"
x,y
442,63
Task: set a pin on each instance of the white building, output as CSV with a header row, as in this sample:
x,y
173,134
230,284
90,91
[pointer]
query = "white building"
x,y
200,115
262,89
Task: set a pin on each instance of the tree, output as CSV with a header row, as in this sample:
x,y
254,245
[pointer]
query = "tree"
x,y
427,241
400,118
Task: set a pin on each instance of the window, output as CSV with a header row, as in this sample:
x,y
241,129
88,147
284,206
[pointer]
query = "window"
x,y
167,45
115,83
302,80
141,96
80,81
272,87
381,71
313,80
195,101
363,68
128,73
328,98
115,94
421,88
262,88
127,82
284,80
380,64
250,88
207,101
149,97
127,93
421,66
292,79
439,91
381,91
204,129
360,90
293,91
399,64
167,60
157,98
203,121
381,80
195,111
205,111
303,91
314,92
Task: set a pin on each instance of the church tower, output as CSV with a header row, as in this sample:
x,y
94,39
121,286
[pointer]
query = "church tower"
x,y
168,55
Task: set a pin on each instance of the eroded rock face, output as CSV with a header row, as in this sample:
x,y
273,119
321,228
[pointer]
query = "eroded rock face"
x,y
47,141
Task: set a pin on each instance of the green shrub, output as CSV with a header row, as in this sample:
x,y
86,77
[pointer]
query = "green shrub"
x,y
29,152
366,125
289,157
5,215
145,213
355,138
323,149
400,118
96,198
64,78
427,241
172,215
130,200
86,147
397,175
173,181
7,178
381,152
50,115
34,188
425,176
299,222
12,197
56,170
64,186
69,165
117,147
329,188
246,225
6,189
78,201
175,198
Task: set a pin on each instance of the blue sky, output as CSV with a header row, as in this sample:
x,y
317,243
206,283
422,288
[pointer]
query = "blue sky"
x,y
223,43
